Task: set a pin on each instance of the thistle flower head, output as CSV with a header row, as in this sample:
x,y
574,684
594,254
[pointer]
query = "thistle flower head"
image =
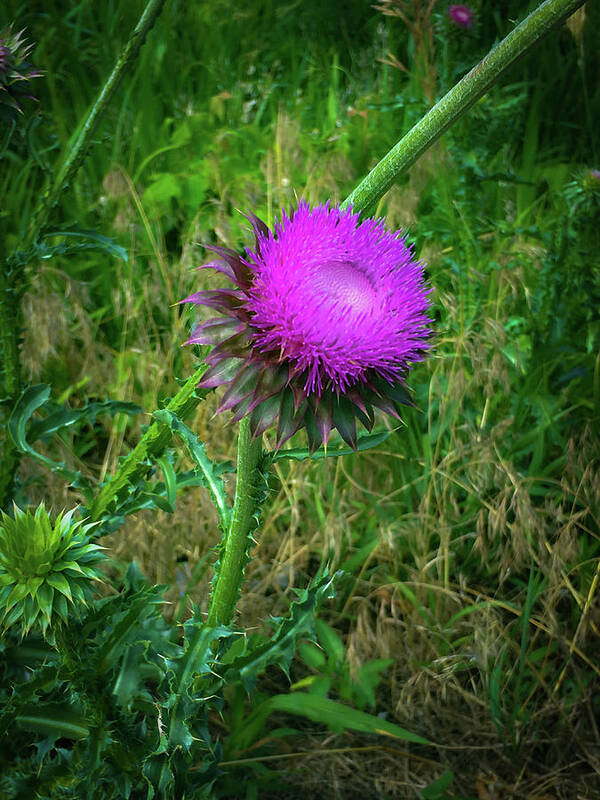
x,y
15,73
461,16
44,568
325,318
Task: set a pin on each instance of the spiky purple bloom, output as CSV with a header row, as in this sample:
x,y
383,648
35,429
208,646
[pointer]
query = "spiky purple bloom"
x,y
326,317
461,16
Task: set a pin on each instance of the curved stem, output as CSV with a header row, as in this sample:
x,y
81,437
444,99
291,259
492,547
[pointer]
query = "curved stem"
x,y
234,555
152,444
458,100
77,151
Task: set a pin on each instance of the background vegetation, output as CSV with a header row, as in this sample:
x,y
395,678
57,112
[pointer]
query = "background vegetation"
x,y
469,612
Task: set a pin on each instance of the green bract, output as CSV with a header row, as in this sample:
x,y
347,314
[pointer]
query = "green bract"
x,y
44,568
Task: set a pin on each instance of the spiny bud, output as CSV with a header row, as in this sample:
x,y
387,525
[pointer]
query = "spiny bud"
x,y
45,569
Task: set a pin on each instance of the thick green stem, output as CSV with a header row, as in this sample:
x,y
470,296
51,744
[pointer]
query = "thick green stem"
x,y
152,444
77,151
234,555
458,100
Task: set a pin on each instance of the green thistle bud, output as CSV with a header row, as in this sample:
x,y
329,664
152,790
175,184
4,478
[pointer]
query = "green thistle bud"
x,y
45,569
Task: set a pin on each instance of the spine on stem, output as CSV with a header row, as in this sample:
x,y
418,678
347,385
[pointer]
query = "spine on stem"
x,y
249,494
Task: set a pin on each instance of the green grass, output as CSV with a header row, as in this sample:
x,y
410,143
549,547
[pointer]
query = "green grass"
x,y
471,537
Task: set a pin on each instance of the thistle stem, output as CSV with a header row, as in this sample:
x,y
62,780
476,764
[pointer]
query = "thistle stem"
x,y
234,554
459,100
77,151
152,444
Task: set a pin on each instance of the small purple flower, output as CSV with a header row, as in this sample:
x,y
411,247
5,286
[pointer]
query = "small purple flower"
x,y
326,317
461,16
595,174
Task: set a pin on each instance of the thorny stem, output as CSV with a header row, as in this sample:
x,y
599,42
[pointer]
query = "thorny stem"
x,y
152,444
459,100
232,562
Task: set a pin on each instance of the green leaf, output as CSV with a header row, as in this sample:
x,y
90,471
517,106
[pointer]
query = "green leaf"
x,y
312,655
33,584
170,478
91,241
31,399
184,706
335,715
127,627
13,616
129,681
18,594
211,478
330,641
58,581
345,421
437,789
67,417
164,188
54,720
60,606
301,453
35,397
280,647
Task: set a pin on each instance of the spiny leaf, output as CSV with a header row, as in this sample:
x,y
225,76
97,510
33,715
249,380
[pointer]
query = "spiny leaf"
x,y
280,647
91,240
35,397
55,720
212,480
66,417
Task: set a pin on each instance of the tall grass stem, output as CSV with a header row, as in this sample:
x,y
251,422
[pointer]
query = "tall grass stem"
x,y
10,378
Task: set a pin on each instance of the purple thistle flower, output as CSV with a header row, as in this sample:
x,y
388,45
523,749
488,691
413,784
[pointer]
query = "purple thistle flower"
x,y
326,317
461,16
